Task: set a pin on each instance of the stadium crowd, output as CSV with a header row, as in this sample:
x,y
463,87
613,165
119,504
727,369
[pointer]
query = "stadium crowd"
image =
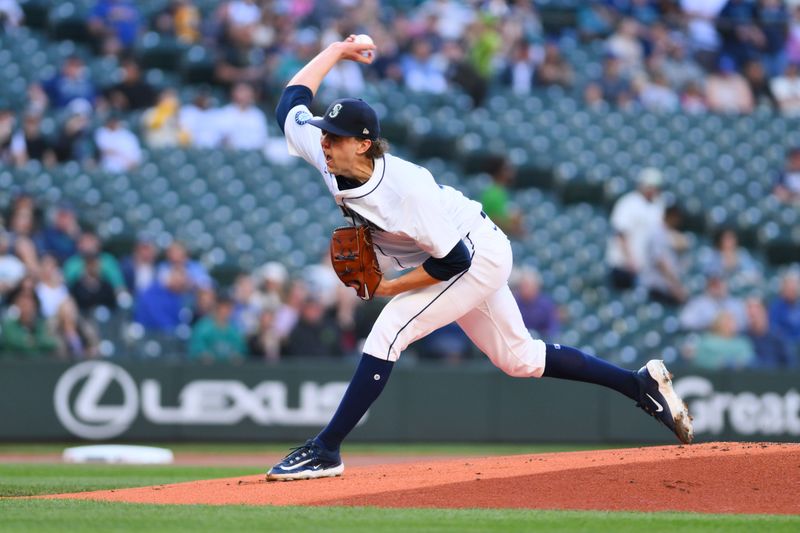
x,y
58,286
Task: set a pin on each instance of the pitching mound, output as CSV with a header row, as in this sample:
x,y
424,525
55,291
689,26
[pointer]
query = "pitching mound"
x,y
707,478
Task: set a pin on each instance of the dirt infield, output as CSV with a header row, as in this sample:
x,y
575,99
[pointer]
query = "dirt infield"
x,y
707,478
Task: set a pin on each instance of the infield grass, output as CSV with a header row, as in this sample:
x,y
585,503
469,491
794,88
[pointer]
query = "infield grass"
x,y
86,517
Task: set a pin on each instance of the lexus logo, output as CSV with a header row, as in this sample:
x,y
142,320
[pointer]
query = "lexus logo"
x,y
87,383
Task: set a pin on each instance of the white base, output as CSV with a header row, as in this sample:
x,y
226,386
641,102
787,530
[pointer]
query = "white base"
x,y
118,453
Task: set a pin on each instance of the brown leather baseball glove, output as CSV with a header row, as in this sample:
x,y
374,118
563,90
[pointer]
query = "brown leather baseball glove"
x,y
354,260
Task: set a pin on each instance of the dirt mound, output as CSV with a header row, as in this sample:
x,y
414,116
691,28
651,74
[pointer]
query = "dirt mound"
x,y
709,478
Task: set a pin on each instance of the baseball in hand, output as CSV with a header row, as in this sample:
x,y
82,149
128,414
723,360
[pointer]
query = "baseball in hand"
x,y
364,39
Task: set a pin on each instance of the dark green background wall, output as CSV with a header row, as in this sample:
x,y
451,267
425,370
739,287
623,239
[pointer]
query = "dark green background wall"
x,y
291,402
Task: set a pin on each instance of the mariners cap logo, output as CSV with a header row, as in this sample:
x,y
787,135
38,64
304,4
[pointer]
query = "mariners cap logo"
x,y
335,111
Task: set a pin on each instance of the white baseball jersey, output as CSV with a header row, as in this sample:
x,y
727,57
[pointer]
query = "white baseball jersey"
x,y
413,218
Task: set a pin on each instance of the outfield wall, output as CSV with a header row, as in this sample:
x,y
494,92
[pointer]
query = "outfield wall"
x,y
101,400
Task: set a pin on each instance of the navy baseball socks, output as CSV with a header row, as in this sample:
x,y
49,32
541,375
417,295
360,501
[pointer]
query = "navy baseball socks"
x,y
650,387
319,457
565,362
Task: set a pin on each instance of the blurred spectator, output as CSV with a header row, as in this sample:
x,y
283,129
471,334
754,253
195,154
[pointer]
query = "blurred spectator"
x,y
595,21
539,311
316,333
160,125
727,91
89,249
30,144
216,338
288,313
21,230
700,311
787,186
11,15
181,274
772,350
786,89
616,88
421,71
205,300
119,20
722,347
246,304
663,271
322,281
741,36
239,19
8,124
132,93
51,290
732,261
119,147
139,268
703,37
91,290
181,19
793,41
463,74
486,42
199,121
679,67
24,333
74,140
625,45
784,311
693,99
519,73
634,217
238,61
71,83
59,237
77,338
270,284
159,308
265,343
656,95
12,270
554,68
593,96
243,126
759,84
772,17
495,200
36,101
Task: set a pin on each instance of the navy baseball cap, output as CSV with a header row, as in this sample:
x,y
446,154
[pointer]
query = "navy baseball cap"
x,y
350,117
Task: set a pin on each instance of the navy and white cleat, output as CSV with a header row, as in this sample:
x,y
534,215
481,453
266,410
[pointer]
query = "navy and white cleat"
x,y
658,399
309,461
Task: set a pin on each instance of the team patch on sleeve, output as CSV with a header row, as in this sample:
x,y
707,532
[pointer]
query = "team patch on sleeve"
x,y
301,117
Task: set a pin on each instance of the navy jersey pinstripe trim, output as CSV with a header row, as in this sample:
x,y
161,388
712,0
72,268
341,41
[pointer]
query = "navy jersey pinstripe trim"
x,y
399,331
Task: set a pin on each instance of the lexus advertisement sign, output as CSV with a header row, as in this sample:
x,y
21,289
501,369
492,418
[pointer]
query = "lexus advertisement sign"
x,y
104,400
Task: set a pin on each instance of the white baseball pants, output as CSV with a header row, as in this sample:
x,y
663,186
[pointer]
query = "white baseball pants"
x,y
478,300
